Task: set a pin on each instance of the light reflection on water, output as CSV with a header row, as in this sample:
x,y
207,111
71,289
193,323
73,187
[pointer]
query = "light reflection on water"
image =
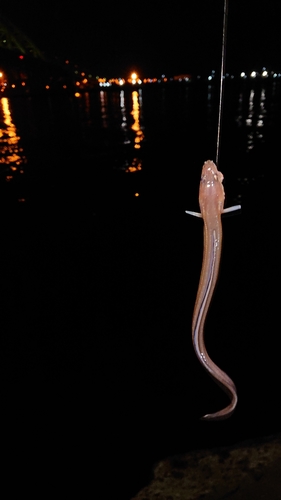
x,y
140,129
103,109
136,162
12,158
115,111
256,116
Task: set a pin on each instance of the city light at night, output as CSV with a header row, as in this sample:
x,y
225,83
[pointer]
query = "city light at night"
x,y
85,81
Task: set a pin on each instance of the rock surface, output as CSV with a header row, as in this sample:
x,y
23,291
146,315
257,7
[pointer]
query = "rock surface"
x,y
249,470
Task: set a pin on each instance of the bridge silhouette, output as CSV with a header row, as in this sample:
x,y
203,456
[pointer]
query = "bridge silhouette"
x,y
12,38
25,68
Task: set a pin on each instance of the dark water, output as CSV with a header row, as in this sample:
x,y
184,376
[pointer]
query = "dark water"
x,y
100,268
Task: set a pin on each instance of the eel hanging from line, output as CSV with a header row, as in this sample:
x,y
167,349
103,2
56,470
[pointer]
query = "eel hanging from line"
x,y
211,201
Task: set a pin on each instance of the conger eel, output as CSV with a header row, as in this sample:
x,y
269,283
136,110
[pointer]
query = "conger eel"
x,y
211,201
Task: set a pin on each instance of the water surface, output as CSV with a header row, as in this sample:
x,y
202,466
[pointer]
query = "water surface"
x,y
100,267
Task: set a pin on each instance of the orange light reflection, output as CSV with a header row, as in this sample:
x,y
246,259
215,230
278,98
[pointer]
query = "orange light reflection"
x,y
11,155
136,163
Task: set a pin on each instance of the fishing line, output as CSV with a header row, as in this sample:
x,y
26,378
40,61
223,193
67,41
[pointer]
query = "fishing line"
x,y
222,74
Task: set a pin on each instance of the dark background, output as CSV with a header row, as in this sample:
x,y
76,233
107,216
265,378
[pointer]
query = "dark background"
x,y
152,37
99,378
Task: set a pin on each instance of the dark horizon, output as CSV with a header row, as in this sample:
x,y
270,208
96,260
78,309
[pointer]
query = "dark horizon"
x,y
153,41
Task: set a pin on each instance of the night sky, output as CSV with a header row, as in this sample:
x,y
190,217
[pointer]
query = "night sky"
x,y
152,37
